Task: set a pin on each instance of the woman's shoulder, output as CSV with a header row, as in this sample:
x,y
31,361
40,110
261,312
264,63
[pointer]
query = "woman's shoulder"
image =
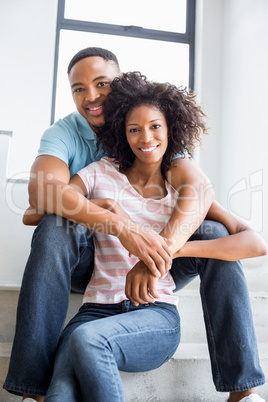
x,y
105,165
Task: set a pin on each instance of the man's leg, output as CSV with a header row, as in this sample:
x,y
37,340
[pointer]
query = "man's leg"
x,y
227,313
59,249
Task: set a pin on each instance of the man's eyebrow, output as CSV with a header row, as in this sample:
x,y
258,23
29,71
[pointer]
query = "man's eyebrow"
x,y
76,84
100,77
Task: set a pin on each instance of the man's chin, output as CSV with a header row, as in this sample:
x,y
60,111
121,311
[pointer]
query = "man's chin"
x,y
96,125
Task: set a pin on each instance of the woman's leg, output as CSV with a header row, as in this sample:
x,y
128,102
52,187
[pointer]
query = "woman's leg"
x,y
128,342
127,339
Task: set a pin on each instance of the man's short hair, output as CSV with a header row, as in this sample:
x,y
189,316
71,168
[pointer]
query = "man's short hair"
x,y
91,52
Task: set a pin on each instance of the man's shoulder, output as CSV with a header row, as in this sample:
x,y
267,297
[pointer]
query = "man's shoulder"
x,y
73,125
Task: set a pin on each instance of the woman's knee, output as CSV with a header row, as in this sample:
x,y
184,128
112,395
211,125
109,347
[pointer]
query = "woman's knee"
x,y
85,344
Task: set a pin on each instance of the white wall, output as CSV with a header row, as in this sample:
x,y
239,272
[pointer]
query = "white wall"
x,y
27,31
231,80
244,135
208,82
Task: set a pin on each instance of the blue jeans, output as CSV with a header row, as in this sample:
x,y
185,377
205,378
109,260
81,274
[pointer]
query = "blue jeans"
x,y
122,337
60,251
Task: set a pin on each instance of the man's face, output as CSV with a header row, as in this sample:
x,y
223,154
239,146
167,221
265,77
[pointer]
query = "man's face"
x,y
90,80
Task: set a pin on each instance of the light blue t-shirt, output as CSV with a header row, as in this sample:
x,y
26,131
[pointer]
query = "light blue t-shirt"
x,y
72,140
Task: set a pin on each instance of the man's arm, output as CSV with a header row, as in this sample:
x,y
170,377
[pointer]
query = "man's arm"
x,y
45,170
195,198
49,192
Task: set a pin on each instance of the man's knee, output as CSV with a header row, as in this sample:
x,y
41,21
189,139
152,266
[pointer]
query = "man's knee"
x,y
50,221
54,228
210,230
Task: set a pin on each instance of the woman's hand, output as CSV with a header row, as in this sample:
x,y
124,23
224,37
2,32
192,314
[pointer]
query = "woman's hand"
x,y
141,285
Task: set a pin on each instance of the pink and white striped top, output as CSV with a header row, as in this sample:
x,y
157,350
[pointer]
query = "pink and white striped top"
x,y
107,285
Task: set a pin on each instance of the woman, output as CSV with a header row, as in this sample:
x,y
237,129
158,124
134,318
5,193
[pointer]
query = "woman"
x,y
110,333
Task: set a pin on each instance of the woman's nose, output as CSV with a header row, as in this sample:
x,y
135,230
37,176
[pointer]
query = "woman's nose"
x,y
146,135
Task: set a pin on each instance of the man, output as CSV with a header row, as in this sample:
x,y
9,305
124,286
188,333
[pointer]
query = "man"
x,y
62,250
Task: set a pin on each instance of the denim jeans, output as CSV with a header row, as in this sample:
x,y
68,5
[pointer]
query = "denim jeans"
x,y
122,337
64,251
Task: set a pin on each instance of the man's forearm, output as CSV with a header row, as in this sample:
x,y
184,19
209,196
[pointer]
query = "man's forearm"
x,y
62,199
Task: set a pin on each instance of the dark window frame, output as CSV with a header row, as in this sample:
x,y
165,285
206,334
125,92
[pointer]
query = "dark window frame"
x,y
131,31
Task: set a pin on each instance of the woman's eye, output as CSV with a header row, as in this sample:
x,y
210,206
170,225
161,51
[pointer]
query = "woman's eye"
x,y
133,130
156,126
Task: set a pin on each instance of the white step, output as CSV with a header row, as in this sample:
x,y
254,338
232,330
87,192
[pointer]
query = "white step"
x,y
185,378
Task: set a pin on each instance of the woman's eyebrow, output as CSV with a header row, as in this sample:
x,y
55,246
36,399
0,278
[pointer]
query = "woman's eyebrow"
x,y
136,124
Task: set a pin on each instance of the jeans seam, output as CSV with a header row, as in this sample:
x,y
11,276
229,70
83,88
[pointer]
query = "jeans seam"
x,y
24,389
72,268
245,387
210,337
112,371
162,331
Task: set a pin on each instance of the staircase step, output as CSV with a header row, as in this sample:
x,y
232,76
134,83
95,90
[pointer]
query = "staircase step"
x,y
185,378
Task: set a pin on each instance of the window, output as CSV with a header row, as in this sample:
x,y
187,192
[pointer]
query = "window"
x,y
156,38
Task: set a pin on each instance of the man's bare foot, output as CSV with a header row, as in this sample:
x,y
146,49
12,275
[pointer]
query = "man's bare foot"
x,y
34,397
237,396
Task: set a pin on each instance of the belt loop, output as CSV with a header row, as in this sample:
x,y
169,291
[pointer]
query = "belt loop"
x,y
123,306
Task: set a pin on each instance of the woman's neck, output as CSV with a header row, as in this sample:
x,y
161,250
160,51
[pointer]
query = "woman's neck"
x,y
147,180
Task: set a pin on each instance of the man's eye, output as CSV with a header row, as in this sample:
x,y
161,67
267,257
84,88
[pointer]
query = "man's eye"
x,y
79,90
103,84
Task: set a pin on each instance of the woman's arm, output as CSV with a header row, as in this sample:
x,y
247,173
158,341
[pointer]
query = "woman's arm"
x,y
195,198
243,242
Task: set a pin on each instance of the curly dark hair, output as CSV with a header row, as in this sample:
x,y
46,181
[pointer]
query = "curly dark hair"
x,y
184,118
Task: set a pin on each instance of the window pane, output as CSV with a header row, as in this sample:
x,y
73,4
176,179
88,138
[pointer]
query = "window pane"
x,y
168,15
159,61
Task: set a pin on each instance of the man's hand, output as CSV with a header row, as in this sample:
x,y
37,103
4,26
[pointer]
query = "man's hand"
x,y
32,217
153,245
148,246
141,285
139,241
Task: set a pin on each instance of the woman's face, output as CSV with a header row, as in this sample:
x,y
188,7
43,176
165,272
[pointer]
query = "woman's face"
x,y
147,133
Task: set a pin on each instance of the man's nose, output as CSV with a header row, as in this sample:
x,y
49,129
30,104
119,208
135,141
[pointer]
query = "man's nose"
x,y
92,94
